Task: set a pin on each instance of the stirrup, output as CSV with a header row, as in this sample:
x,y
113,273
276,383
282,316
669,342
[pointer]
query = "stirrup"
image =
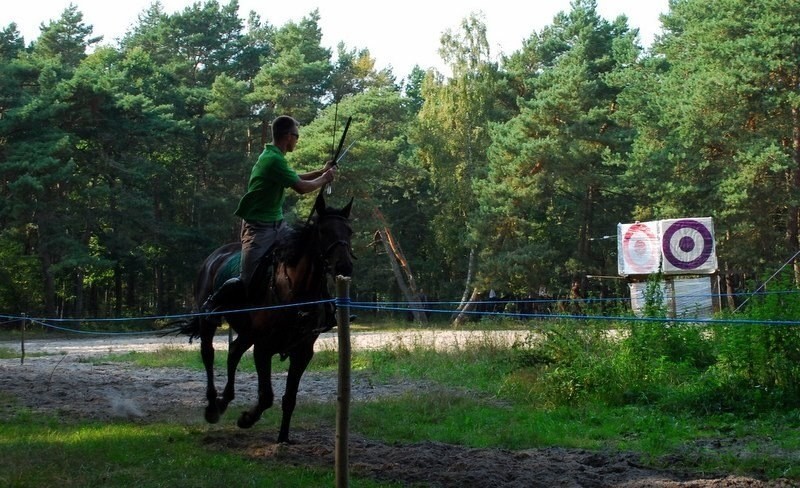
x,y
225,296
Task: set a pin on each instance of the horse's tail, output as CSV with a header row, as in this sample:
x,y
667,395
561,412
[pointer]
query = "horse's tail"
x,y
187,326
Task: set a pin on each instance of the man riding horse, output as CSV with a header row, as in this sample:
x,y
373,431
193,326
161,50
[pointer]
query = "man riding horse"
x,y
261,210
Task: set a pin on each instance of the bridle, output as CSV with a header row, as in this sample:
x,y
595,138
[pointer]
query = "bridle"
x,y
324,255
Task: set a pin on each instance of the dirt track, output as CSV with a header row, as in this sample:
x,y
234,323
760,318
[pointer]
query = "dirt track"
x,y
65,383
94,345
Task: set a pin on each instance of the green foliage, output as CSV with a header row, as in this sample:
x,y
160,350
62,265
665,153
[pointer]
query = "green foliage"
x,y
760,359
710,108
122,164
654,303
572,384
569,384
66,38
7,353
681,367
297,76
39,452
553,166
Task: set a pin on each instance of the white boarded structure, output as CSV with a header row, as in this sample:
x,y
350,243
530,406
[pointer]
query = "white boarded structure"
x,y
679,249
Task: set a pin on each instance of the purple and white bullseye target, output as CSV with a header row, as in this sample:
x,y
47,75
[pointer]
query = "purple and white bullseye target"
x,y
687,246
639,249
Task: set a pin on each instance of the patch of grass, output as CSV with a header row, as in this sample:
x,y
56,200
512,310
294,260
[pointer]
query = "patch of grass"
x,y
762,447
572,387
325,360
487,399
8,353
437,321
38,452
477,366
171,357
165,357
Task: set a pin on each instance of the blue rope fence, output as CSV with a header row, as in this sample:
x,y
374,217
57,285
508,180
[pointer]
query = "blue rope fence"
x,y
49,322
425,307
557,315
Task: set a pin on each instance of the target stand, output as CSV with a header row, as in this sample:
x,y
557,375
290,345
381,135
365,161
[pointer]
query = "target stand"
x,y
682,250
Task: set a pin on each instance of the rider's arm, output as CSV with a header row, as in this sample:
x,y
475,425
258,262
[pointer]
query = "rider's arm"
x,y
310,183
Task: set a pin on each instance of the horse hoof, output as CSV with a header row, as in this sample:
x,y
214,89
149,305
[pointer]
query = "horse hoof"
x,y
212,415
246,420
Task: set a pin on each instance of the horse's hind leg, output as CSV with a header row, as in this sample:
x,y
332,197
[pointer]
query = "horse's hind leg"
x,y
262,359
238,347
207,329
298,362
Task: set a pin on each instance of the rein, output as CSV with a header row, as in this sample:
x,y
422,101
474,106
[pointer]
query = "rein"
x,y
318,256
334,244
323,254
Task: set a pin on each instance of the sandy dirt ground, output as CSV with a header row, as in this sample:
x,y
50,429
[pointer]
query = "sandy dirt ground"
x,y
65,382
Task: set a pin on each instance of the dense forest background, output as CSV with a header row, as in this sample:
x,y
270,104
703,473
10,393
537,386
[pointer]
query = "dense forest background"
x,y
121,165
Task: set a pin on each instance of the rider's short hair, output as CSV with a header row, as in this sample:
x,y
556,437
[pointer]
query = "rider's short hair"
x,y
282,126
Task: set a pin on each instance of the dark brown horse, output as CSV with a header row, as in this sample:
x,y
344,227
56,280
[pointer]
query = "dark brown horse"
x,y
296,272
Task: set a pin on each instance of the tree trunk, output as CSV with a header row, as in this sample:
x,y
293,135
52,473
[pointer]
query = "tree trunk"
x,y
394,260
465,298
470,270
730,291
117,290
159,288
130,290
396,256
49,284
265,133
586,222
794,212
467,307
78,292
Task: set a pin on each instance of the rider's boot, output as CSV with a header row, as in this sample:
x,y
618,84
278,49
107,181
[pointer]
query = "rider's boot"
x,y
231,294
329,320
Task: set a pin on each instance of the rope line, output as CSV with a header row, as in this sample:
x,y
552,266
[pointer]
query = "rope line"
x,y
47,322
421,307
99,332
11,318
555,315
588,299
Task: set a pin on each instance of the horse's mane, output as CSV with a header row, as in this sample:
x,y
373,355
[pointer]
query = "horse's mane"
x,y
290,246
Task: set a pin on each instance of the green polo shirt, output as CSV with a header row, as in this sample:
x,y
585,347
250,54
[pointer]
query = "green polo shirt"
x,y
270,177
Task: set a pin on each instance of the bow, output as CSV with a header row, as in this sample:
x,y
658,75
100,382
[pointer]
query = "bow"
x,y
338,155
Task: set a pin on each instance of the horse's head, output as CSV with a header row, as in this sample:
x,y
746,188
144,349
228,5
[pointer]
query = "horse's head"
x,y
334,237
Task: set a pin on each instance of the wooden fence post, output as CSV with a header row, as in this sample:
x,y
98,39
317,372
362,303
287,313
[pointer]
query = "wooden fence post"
x,y
22,340
343,390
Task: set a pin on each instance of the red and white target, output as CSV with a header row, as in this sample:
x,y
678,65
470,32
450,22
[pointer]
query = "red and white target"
x,y
688,246
639,248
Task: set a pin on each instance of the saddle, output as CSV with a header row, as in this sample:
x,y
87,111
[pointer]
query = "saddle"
x,y
314,318
263,280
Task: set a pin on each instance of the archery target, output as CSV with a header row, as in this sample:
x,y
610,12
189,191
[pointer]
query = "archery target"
x,y
687,246
638,248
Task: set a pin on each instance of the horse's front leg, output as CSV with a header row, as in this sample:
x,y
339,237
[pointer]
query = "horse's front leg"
x,y
298,362
263,361
207,330
238,347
